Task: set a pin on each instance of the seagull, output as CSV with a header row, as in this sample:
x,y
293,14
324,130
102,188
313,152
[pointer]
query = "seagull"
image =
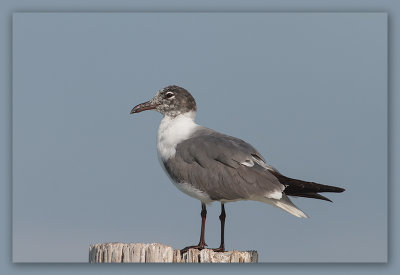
x,y
211,166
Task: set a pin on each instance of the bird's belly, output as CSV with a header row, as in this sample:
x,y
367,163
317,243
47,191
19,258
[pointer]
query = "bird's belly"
x,y
189,190
185,187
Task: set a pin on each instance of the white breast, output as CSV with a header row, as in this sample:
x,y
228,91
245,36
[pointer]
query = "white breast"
x,y
172,131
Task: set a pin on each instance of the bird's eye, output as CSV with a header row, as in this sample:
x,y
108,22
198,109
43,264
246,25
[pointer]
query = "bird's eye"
x,y
169,95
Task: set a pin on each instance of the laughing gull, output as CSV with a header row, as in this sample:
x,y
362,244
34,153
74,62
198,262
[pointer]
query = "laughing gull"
x,y
211,166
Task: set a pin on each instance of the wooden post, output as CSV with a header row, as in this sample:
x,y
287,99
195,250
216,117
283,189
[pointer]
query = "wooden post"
x,y
159,253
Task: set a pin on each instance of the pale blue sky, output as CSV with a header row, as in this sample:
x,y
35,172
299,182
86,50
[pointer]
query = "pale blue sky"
x,y
309,91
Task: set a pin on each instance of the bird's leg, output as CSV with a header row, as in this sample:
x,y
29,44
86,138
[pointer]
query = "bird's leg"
x,y
202,244
222,217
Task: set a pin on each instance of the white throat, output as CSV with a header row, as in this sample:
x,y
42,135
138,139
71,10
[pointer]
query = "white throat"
x,y
173,130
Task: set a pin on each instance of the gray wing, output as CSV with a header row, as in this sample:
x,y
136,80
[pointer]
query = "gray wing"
x,y
222,166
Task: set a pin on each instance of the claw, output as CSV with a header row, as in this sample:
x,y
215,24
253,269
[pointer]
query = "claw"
x,y
200,246
219,249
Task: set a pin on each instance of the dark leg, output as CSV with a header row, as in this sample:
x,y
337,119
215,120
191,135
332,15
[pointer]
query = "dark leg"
x,y
202,244
203,214
222,217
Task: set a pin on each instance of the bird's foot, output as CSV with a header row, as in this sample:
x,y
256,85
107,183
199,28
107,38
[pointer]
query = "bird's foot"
x,y
200,246
219,249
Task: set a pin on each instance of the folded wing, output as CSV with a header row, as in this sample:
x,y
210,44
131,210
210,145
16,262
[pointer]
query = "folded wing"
x,y
222,166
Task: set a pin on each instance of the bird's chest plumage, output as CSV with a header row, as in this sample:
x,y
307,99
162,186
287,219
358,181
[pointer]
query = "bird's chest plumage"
x,y
172,131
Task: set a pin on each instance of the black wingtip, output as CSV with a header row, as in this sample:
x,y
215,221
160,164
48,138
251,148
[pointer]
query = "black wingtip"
x,y
338,190
312,196
320,197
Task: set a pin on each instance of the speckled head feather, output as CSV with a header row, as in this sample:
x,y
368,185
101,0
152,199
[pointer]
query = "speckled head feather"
x,y
170,101
174,100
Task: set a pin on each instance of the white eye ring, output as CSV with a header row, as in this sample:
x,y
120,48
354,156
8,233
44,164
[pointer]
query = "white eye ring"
x,y
169,94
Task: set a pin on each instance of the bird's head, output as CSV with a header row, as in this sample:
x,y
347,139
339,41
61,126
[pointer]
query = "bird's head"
x,y
171,101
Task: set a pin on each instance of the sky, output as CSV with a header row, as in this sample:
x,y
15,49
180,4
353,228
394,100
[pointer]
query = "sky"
x,y
308,90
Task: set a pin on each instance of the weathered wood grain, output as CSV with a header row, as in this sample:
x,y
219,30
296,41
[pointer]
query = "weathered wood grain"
x,y
159,253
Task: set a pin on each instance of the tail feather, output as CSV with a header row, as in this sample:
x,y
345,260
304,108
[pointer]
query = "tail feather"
x,y
285,204
299,188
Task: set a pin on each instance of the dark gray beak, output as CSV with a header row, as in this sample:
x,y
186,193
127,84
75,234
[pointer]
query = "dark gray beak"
x,y
149,105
